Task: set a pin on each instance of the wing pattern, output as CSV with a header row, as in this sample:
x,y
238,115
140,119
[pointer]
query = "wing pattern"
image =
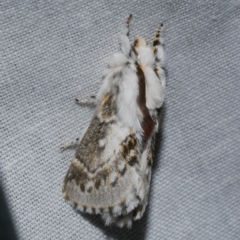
x,y
105,175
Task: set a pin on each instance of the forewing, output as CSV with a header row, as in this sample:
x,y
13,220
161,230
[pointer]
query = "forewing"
x,y
104,175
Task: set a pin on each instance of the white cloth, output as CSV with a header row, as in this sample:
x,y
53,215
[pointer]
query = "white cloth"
x,y
55,51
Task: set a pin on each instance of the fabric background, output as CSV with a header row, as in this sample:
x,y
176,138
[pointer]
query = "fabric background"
x,y
54,51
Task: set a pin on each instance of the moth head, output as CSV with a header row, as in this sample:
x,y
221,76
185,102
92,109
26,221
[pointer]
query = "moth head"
x,y
140,42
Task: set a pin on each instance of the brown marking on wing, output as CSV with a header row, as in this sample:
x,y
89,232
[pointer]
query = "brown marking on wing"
x,y
113,184
128,145
108,108
82,187
89,190
156,71
132,161
103,175
150,152
137,210
97,183
89,152
123,171
76,174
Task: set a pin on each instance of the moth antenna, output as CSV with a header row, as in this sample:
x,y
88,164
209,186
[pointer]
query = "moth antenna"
x,y
156,41
128,23
158,49
125,42
159,56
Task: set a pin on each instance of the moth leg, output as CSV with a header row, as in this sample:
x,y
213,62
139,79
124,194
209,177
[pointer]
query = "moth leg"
x,y
75,143
125,42
72,144
86,100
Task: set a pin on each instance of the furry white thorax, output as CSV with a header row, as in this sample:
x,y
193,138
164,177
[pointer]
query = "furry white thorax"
x,y
120,78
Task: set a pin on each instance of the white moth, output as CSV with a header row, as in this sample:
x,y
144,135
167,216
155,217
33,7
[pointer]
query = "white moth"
x,y
110,172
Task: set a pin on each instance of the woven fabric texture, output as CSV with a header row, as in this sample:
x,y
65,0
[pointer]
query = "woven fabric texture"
x,y
55,51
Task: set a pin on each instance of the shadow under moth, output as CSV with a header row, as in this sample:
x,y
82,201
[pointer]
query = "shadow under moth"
x,y
110,172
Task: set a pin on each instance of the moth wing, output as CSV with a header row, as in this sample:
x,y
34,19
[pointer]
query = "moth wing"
x,y
105,174
146,169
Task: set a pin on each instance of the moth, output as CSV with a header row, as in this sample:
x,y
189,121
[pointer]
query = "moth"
x,y
110,172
